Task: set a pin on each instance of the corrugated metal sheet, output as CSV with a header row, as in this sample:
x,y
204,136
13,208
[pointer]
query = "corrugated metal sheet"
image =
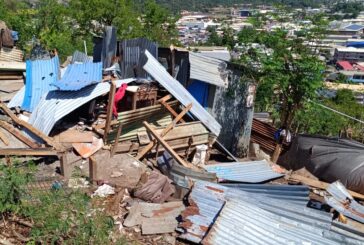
x,y
343,202
155,69
78,76
39,75
291,193
57,104
133,58
242,222
208,70
250,172
18,98
263,134
207,199
80,57
11,54
109,46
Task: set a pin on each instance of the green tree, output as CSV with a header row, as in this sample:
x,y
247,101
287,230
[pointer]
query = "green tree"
x,y
287,71
159,24
214,39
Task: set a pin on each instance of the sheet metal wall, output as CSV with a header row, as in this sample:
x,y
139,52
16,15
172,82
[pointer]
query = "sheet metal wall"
x,y
155,69
133,58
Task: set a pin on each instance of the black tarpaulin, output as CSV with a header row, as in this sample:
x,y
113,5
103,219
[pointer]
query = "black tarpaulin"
x,y
329,159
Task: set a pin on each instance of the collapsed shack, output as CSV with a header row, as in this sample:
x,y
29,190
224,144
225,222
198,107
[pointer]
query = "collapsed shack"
x,y
150,144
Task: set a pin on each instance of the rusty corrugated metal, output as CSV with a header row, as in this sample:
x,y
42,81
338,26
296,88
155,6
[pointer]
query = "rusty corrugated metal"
x,y
207,199
343,202
263,134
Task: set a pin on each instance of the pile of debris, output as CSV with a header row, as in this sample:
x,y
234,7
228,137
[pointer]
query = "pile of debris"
x,y
11,64
149,144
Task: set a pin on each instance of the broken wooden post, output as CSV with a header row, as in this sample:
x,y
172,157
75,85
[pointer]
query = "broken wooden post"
x,y
113,149
178,118
92,169
109,110
30,127
276,153
165,145
164,100
18,135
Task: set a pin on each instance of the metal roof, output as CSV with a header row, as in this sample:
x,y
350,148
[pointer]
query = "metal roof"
x,y
250,172
353,27
291,193
155,69
242,222
80,57
18,98
57,104
343,202
266,214
78,76
39,75
208,70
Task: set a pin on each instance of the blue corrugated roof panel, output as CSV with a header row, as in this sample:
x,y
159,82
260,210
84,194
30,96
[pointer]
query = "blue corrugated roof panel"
x,y
57,104
354,27
78,76
39,75
250,172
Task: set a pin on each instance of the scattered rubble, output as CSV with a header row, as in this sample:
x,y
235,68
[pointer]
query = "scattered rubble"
x,y
143,146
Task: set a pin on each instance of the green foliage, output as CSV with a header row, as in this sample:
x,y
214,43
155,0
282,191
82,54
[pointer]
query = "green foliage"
x,y
159,24
288,72
65,25
350,9
314,119
12,180
67,217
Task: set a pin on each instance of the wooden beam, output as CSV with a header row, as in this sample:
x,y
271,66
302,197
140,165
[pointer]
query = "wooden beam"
x,y
92,169
319,184
170,109
28,126
165,98
109,109
4,139
165,145
28,152
118,133
18,135
150,146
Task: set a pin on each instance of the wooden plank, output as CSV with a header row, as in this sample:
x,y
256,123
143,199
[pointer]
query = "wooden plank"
x,y
30,127
166,146
319,184
109,109
116,139
28,152
4,139
18,135
165,98
170,109
165,131
74,136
